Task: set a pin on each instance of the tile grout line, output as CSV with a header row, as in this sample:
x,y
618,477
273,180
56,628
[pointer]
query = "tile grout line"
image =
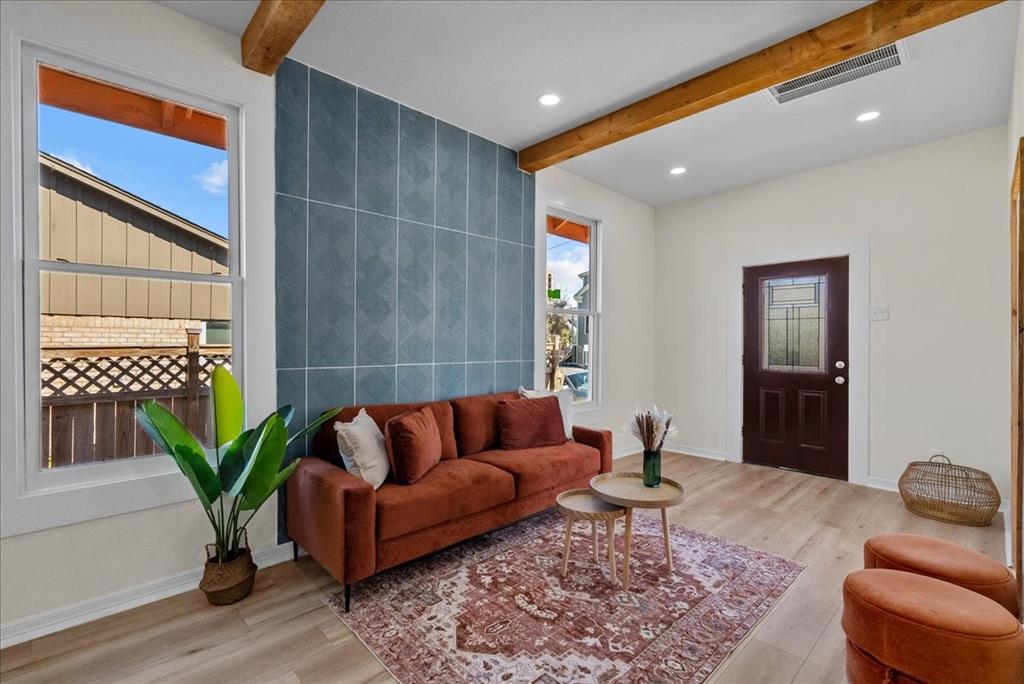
x,y
305,378
398,209
494,340
465,316
355,261
433,277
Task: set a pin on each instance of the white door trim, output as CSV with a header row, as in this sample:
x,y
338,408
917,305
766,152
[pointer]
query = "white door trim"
x,y
858,250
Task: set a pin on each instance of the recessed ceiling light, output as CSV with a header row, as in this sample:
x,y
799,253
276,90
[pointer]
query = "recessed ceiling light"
x,y
549,99
677,170
868,116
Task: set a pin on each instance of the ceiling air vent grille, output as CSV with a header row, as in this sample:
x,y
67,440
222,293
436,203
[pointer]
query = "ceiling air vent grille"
x,y
884,58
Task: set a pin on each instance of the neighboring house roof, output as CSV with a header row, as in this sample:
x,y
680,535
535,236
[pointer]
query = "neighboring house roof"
x,y
135,201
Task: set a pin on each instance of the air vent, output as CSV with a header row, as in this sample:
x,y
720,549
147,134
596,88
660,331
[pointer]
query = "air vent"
x,y
882,59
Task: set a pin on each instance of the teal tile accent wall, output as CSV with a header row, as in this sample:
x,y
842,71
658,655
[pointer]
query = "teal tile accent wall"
x,y
405,254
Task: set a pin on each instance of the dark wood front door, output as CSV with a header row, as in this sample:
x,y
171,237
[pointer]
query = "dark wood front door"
x,y
795,365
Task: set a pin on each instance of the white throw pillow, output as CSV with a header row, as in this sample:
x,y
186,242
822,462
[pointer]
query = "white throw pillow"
x,y
362,448
564,404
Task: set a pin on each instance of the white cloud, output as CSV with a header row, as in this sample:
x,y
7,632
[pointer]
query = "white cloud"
x,y
214,178
75,161
565,270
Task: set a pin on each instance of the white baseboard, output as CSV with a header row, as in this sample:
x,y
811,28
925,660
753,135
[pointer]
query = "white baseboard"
x,y
50,621
697,451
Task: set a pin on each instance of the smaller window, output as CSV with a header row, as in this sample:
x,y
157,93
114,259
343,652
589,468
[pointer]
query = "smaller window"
x,y
571,321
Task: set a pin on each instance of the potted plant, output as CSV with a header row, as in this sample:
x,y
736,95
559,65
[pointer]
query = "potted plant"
x,y
246,470
652,428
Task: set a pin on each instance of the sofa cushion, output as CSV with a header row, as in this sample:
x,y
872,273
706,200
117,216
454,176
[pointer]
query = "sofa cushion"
x,y
538,469
325,445
413,444
530,423
448,491
476,421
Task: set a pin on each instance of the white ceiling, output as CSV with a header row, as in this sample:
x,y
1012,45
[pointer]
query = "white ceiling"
x,y
481,66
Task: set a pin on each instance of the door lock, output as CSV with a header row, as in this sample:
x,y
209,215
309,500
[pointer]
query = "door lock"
x,y
840,380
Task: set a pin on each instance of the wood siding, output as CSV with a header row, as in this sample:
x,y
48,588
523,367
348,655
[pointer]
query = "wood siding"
x,y
85,222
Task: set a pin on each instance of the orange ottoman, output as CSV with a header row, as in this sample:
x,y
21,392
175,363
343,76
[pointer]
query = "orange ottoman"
x,y
902,627
945,561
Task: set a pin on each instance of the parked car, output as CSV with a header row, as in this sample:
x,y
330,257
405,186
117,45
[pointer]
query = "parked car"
x,y
578,380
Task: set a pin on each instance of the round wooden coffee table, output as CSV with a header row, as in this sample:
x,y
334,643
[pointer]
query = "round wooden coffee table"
x,y
581,504
628,490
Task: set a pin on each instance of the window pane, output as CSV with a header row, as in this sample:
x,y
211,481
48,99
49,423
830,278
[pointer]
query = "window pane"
x,y
129,179
568,264
569,352
793,324
129,340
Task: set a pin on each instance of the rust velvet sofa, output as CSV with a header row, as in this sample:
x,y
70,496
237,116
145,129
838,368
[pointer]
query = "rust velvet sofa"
x,y
355,532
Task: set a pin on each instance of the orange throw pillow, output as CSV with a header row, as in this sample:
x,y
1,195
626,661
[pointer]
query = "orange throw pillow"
x,y
530,423
413,442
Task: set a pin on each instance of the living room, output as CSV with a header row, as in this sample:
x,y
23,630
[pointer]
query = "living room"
x,y
511,341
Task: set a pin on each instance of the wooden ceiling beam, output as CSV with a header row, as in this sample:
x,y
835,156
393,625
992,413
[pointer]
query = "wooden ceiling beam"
x,y
847,36
273,30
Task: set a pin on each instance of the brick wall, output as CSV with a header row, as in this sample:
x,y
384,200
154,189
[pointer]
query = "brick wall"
x,y
112,331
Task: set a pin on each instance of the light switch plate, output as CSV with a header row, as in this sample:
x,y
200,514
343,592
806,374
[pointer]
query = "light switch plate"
x,y
879,313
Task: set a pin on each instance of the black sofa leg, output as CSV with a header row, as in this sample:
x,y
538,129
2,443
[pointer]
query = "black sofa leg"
x,y
348,596
295,551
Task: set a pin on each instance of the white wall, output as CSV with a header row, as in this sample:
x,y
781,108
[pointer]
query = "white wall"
x,y
1016,119
60,568
935,218
626,287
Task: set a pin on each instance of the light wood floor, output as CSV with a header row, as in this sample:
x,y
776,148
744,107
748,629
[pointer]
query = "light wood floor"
x,y
283,633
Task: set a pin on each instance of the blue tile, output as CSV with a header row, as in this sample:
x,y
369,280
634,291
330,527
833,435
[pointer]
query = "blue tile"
x,y
508,327
375,385
483,170
416,166
415,383
526,375
452,144
480,303
332,139
290,283
415,293
529,206
510,196
449,296
449,380
479,378
328,388
529,303
332,261
376,283
291,390
291,85
377,183
507,376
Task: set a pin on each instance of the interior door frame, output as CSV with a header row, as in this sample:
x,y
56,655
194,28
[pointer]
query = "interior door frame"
x,y
1017,369
859,253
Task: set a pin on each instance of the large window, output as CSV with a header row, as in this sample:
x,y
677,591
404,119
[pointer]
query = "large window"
x,y
131,275
572,316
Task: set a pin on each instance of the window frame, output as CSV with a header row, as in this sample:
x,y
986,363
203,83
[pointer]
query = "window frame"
x,y
82,492
593,312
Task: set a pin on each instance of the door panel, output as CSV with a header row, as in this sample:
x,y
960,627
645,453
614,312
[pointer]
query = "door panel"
x,y
795,365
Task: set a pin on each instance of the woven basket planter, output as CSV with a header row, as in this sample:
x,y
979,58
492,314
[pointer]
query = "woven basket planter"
x,y
226,583
957,494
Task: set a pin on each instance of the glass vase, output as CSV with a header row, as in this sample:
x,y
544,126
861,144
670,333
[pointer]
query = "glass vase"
x,y
652,468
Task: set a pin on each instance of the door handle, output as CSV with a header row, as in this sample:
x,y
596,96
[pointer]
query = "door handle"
x,y
840,380
840,365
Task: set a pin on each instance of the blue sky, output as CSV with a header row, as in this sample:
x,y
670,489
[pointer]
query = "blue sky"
x,y
566,260
183,177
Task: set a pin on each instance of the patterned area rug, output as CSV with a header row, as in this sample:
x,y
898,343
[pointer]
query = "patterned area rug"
x,y
496,609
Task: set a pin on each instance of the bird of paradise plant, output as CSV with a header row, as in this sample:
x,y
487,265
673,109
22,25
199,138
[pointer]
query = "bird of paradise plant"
x,y
246,467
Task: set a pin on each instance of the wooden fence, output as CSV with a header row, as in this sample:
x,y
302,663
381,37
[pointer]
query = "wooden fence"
x,y
89,398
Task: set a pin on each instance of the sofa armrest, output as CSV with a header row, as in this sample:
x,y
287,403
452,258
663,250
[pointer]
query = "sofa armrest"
x,y
332,515
600,440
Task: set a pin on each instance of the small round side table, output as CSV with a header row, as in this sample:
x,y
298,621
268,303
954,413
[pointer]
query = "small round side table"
x,y
581,504
628,490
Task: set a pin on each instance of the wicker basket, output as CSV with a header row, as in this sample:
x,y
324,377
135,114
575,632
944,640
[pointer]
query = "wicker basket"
x,y
957,494
227,583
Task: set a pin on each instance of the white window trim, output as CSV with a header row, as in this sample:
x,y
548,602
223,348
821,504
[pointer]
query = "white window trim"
x,y
594,311
35,499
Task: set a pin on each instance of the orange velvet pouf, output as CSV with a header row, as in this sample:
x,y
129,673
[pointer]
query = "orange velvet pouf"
x,y
945,561
904,627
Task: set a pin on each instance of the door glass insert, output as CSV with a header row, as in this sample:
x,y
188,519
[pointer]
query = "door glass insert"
x,y
793,324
